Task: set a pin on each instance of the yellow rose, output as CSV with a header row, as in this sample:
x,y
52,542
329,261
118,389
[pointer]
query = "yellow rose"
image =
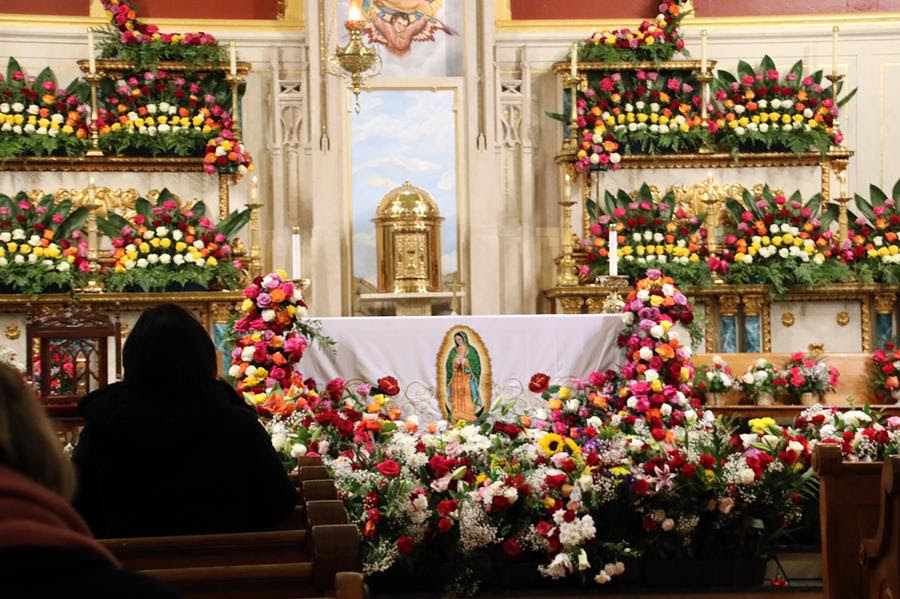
x,y
565,393
179,247
247,305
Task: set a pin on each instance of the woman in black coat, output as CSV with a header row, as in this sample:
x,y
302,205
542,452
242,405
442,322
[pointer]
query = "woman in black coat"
x,y
171,450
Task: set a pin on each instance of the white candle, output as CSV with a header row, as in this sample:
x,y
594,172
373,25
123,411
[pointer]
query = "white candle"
x,y
295,253
844,185
254,189
574,69
613,251
703,61
231,47
834,49
568,190
354,14
92,62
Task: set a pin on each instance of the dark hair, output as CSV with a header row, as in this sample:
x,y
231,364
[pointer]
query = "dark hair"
x,y
168,348
27,442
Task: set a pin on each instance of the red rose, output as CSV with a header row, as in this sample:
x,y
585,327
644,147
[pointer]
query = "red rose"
x,y
447,507
389,468
445,525
658,434
335,387
438,464
555,481
388,385
499,503
640,486
689,470
707,461
539,383
511,547
543,528
405,545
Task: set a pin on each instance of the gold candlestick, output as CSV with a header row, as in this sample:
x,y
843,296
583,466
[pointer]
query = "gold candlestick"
x,y
572,83
567,270
93,79
93,285
705,78
255,252
835,125
235,81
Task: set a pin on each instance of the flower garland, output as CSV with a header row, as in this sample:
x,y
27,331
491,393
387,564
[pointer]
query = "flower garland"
x,y
268,349
167,246
38,117
41,245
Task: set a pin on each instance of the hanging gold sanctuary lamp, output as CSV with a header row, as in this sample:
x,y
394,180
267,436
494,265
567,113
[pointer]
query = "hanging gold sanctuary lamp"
x,y
356,61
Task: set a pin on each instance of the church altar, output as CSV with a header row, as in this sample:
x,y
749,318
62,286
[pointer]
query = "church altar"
x,y
509,350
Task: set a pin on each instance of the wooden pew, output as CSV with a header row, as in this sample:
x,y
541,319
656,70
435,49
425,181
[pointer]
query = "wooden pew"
x,y
849,500
880,554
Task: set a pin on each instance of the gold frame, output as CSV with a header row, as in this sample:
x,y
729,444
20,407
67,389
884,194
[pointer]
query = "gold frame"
x,y
456,85
485,386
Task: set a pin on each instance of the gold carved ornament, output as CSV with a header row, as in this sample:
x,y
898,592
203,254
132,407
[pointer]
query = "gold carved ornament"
x,y
12,332
842,319
787,319
728,305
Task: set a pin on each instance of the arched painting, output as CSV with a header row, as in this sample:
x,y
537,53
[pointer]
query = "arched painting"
x,y
464,381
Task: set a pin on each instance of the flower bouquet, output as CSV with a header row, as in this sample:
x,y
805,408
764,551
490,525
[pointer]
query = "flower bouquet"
x,y
656,40
637,112
806,378
650,234
864,435
886,374
873,244
758,382
42,249
153,113
167,247
779,241
38,118
714,380
130,39
766,110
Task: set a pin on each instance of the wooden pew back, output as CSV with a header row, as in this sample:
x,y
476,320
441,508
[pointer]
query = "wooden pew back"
x,y
880,554
849,499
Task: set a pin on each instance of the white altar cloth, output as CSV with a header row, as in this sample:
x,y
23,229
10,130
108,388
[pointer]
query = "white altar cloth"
x,y
508,350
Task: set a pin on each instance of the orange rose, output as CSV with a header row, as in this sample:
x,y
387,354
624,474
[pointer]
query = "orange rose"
x,y
277,295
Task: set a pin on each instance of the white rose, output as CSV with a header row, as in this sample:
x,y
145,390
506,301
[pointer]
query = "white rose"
x,y
668,524
19,259
63,266
142,263
5,237
298,450
748,259
279,440
18,107
775,104
32,109
740,109
200,261
29,128
747,379
602,577
151,108
663,129
4,107
3,261
583,563
6,127
178,259
152,258
165,259
41,131
57,118
764,127
164,128
795,446
657,331
199,244
177,234
32,258
268,315
17,129
747,476
595,158
654,107
164,107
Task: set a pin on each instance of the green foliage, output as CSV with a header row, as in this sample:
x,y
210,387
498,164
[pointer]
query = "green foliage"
x,y
170,277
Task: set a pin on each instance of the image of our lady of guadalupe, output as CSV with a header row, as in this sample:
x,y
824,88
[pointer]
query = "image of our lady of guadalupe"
x,y
463,377
399,23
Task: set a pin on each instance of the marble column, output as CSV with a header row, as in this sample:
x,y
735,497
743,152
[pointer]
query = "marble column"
x,y
884,318
728,337
756,321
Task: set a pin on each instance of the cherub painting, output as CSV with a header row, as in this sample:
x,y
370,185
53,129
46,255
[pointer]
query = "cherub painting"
x,y
399,23
464,375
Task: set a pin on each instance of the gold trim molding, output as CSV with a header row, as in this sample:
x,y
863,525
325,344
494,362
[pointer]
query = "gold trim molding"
x,y
104,164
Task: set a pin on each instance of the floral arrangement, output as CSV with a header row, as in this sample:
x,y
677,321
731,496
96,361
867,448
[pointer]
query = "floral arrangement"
x,y
655,40
614,466
268,346
886,373
8,356
153,113
168,247
41,246
38,117
143,44
650,234
758,380
873,244
715,377
864,435
637,112
806,374
766,110
779,241
63,373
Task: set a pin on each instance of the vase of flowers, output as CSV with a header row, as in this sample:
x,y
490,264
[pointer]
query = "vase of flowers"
x,y
886,374
758,383
807,378
715,379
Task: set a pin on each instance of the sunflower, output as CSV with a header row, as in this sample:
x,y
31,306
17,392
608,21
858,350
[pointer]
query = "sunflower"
x,y
552,443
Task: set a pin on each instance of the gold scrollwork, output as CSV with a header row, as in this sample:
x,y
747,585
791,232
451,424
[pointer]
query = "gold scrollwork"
x,y
753,305
120,201
843,319
728,305
885,303
787,319
12,332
